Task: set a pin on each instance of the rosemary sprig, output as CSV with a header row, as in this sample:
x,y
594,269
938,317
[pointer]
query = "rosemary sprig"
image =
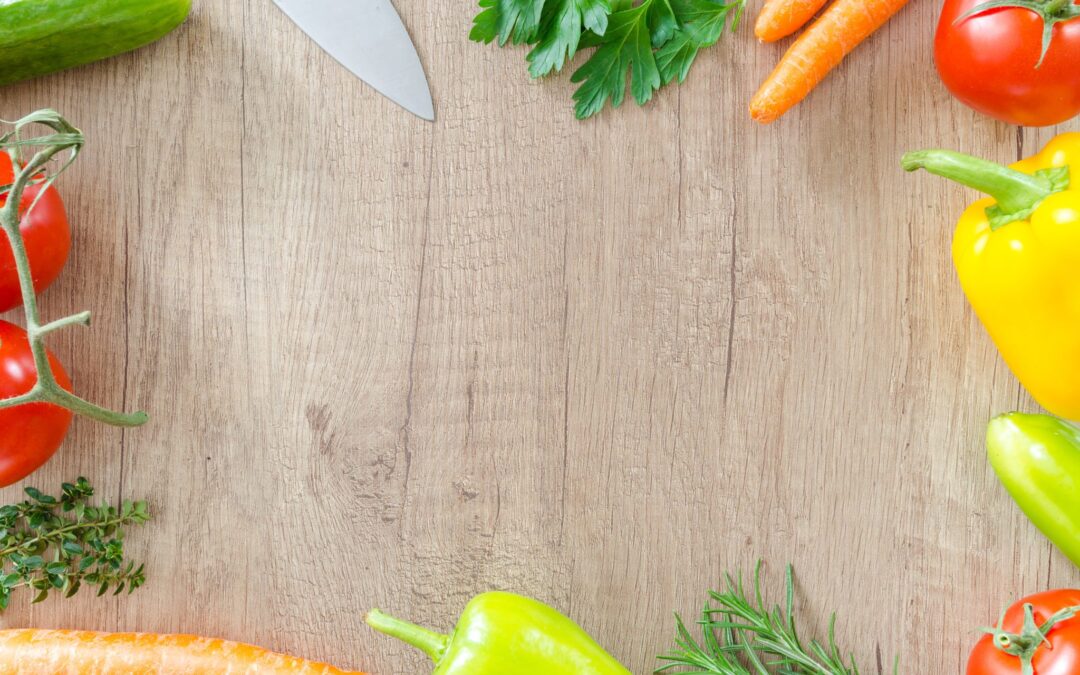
x,y
58,545
742,636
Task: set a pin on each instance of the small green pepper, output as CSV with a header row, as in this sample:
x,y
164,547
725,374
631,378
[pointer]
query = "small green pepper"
x,y
503,633
1037,458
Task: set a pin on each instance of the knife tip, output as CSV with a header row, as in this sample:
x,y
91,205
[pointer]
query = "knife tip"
x,y
426,113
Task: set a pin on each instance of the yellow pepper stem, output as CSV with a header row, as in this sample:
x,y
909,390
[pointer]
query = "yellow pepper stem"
x,y
1014,191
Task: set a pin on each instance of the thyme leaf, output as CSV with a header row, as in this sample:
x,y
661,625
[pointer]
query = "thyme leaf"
x,y
59,545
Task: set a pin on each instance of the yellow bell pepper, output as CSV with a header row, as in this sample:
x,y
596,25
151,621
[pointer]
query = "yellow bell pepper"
x,y
1017,254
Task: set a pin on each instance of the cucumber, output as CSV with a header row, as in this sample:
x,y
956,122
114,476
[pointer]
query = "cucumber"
x,y
43,36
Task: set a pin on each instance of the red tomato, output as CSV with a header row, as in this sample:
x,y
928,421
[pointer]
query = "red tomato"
x,y
1060,655
47,237
29,434
988,61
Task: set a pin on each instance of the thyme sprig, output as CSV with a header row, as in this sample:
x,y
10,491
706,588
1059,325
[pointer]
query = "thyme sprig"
x,y
741,635
65,140
58,545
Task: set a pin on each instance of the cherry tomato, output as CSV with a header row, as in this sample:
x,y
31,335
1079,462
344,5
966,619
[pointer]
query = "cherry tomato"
x,y
988,61
29,434
47,237
1059,655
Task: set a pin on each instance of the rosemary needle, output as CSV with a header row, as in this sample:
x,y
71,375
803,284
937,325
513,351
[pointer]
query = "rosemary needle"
x,y
742,636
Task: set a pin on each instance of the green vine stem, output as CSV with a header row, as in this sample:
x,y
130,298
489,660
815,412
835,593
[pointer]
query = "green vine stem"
x,y
1032,637
64,139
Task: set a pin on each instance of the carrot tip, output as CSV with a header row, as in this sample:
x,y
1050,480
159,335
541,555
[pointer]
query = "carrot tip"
x,y
762,117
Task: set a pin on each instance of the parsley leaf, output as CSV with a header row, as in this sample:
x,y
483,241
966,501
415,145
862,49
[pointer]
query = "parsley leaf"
x,y
651,42
662,21
704,25
561,32
627,45
517,21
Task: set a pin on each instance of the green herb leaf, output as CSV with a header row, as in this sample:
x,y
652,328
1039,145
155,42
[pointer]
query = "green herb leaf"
x,y
561,32
515,21
627,46
37,496
704,24
662,21
56,568
742,636
651,43
83,542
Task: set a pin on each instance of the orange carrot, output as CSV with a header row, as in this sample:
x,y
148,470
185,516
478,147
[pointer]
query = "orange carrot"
x,y
820,49
781,18
58,652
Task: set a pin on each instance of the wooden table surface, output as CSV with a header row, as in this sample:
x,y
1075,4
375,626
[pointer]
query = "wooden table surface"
x,y
394,364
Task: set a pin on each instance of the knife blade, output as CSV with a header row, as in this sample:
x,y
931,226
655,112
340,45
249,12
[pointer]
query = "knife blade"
x,y
370,40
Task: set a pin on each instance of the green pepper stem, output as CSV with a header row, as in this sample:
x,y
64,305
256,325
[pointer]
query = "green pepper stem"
x,y
431,643
1014,191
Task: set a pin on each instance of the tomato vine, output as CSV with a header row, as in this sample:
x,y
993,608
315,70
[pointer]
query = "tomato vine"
x,y
64,139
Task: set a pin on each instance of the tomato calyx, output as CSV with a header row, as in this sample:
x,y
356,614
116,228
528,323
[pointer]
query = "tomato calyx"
x,y
1052,12
1025,644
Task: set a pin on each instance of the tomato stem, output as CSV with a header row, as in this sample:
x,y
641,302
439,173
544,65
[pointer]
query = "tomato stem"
x,y
65,139
80,319
1051,12
1025,644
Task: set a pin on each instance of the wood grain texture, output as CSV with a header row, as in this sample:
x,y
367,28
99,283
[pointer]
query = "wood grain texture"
x,y
395,364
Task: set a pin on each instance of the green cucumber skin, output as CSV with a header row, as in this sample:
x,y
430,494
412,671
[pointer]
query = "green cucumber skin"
x,y
38,37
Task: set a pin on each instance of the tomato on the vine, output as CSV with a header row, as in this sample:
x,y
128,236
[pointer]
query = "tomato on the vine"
x,y
46,234
997,61
29,434
1047,636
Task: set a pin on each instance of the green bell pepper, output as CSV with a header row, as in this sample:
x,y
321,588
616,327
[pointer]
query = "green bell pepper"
x,y
1037,458
503,633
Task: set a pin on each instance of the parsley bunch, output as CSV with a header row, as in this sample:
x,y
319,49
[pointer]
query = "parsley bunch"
x,y
49,544
653,42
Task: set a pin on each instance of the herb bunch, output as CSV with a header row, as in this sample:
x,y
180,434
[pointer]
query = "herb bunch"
x,y
741,635
653,42
59,545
